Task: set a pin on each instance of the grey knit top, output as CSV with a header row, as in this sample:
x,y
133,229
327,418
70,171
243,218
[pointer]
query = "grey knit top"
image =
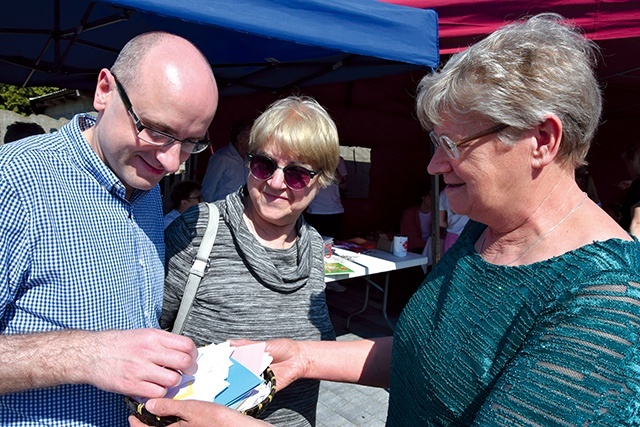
x,y
250,291
553,343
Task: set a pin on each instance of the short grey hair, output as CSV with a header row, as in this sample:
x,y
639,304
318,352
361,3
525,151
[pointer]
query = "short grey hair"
x,y
303,129
127,64
516,76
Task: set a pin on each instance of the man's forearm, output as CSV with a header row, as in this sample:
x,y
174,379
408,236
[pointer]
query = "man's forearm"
x,y
141,362
37,360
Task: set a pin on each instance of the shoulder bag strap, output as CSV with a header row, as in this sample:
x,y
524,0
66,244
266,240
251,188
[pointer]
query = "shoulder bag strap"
x,y
197,270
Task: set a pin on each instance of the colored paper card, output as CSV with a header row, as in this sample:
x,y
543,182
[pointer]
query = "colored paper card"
x,y
250,356
241,381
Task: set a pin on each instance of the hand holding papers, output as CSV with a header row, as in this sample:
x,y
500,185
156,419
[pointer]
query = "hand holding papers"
x,y
237,377
222,378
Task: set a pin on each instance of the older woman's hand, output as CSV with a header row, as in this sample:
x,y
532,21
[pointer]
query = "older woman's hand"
x,y
288,365
196,413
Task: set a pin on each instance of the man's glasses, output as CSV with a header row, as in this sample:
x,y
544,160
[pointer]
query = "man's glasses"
x,y
157,137
263,167
451,148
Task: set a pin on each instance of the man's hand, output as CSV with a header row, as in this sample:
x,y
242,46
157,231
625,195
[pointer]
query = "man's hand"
x,y
142,362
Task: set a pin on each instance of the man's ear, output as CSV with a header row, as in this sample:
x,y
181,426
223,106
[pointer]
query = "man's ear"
x,y
548,137
103,89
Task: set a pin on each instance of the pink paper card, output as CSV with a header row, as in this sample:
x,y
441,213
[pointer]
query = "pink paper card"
x,y
250,356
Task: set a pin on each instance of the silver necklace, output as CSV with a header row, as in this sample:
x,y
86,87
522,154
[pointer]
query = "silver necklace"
x,y
526,251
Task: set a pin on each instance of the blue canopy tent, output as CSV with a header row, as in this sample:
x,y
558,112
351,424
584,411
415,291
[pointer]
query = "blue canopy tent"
x,y
260,50
253,45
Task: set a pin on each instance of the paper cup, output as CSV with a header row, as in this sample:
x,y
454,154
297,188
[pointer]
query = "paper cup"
x,y
328,247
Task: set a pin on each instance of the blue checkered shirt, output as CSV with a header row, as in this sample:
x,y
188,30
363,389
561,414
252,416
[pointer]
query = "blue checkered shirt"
x,y
74,253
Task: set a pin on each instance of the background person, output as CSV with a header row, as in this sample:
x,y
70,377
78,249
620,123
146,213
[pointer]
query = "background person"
x,y
450,222
634,227
227,169
266,271
630,207
184,194
531,317
19,130
81,242
325,212
416,223
587,184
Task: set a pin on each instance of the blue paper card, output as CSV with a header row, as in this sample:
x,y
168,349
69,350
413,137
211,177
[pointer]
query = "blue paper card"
x,y
241,381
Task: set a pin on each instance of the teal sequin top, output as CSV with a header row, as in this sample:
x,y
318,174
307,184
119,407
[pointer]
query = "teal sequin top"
x,y
555,343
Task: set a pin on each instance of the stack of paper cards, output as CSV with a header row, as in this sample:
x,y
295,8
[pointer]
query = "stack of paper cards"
x,y
226,375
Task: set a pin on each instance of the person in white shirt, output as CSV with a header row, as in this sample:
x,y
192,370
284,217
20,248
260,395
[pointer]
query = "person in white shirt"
x,y
451,221
226,170
325,212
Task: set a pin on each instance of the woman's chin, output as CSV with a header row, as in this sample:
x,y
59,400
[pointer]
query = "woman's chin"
x,y
451,189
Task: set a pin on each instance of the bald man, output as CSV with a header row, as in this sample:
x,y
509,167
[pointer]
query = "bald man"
x,y
81,242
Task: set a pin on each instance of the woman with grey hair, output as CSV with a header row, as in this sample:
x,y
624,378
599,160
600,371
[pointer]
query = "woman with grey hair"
x,y
531,318
265,277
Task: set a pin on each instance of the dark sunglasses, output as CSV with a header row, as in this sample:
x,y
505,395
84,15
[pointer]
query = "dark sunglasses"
x,y
263,167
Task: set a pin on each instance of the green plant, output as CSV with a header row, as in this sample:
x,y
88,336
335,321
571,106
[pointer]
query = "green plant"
x,y
16,99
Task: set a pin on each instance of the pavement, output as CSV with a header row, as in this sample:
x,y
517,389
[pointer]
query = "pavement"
x,y
350,405
353,405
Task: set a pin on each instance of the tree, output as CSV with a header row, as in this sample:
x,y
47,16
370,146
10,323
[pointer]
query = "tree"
x,y
16,99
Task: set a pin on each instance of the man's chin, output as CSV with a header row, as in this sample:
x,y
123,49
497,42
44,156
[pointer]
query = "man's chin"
x,y
142,184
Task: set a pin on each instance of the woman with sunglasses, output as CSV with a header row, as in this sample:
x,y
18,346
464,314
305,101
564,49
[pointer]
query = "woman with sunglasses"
x,y
265,277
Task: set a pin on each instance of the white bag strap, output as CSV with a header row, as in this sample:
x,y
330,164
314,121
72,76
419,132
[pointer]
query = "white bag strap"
x,y
197,270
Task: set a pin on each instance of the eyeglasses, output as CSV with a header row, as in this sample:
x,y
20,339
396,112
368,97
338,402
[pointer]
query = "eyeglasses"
x,y
451,148
198,198
263,168
157,137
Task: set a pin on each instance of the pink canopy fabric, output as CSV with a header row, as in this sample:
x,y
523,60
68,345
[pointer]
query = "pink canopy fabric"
x,y
464,22
613,24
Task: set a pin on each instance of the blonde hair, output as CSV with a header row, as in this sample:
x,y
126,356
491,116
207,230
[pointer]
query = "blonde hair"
x,y
302,129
